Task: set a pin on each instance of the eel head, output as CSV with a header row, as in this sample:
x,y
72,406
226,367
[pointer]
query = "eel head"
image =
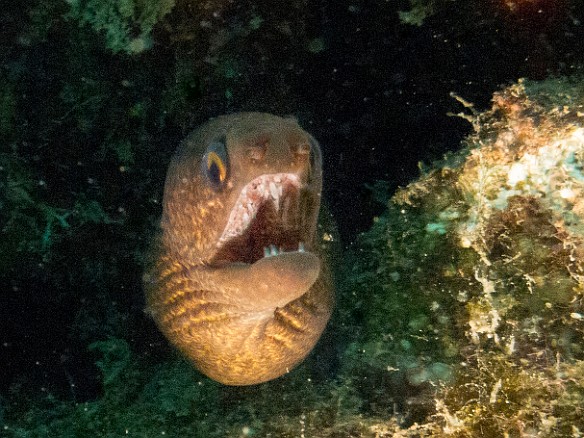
x,y
238,280
241,206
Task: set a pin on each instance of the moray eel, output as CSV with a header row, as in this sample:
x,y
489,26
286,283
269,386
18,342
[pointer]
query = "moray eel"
x,y
238,281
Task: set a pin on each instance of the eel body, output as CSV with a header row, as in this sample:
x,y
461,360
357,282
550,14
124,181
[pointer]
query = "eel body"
x,y
238,280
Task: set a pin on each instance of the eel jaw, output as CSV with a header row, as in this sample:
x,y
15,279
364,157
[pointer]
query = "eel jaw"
x,y
271,216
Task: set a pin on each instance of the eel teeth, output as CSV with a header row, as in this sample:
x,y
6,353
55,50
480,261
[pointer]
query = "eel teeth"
x,y
272,250
269,187
275,194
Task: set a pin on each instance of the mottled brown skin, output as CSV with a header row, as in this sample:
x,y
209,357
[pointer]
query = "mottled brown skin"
x,y
242,318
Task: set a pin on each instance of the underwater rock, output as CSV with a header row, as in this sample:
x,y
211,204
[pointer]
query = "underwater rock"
x,y
478,274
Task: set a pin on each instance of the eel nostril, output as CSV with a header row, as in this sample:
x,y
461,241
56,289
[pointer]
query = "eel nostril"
x,y
257,152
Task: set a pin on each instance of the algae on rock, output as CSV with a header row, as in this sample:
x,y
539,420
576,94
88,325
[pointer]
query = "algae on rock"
x,y
126,24
477,294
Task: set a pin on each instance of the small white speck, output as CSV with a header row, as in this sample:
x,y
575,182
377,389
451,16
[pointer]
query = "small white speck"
x,y
517,173
567,193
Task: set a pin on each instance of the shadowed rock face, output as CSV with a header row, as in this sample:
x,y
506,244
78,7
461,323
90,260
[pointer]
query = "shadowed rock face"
x,y
237,281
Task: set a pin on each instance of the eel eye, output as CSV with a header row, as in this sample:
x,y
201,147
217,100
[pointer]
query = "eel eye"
x,y
215,164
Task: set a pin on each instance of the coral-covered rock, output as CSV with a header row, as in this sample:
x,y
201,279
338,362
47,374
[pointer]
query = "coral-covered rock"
x,y
479,272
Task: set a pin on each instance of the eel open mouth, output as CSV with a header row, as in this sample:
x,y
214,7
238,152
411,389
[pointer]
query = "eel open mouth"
x,y
271,216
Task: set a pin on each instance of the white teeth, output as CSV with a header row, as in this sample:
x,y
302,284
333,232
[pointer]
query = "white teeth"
x,y
275,194
269,187
273,190
272,250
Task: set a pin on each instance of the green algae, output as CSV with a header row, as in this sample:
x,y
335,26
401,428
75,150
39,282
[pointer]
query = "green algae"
x,y
126,24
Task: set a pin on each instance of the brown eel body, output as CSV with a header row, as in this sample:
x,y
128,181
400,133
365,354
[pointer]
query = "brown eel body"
x,y
238,279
